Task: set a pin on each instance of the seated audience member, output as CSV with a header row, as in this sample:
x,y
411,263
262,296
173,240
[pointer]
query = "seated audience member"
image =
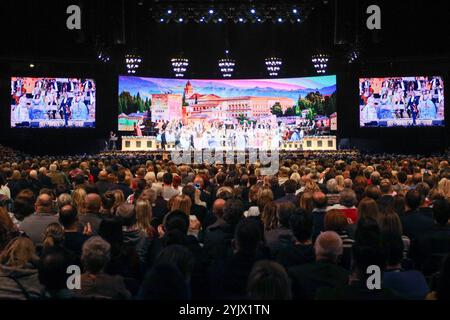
x,y
281,236
168,192
368,208
301,251
95,283
442,290
164,282
357,289
347,204
132,235
23,205
53,274
431,247
103,184
92,216
34,226
73,238
197,210
332,192
218,237
324,272
232,275
268,280
19,278
414,222
320,209
336,221
409,284
122,185
289,187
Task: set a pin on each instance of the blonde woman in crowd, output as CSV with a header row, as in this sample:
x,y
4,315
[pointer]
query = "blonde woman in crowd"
x,y
78,196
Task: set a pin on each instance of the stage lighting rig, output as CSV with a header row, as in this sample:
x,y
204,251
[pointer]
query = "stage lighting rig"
x,y
132,62
273,66
320,62
179,66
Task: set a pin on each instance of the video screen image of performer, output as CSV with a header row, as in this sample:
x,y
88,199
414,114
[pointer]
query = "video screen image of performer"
x,y
227,114
52,102
402,101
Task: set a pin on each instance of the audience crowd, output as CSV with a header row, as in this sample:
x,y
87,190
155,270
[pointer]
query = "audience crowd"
x,y
141,227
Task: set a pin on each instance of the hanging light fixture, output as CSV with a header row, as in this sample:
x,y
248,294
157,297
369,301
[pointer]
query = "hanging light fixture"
x,y
179,66
226,66
320,62
273,66
132,62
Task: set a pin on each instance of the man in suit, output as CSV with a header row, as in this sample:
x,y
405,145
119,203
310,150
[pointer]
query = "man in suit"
x,y
324,272
414,222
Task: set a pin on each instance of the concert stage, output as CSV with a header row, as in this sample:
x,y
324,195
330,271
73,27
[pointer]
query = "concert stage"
x,y
312,143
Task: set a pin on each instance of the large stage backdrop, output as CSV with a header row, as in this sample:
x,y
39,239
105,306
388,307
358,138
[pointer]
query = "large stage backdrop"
x,y
258,111
401,101
52,103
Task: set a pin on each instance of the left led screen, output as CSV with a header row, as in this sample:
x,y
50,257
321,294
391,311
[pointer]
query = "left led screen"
x,y
46,102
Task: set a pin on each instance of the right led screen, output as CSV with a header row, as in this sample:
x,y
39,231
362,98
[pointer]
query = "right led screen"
x,y
401,101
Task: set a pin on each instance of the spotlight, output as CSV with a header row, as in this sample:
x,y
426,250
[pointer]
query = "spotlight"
x,y
180,20
226,67
280,20
161,20
320,62
299,20
169,11
32,65
179,66
294,11
220,20
259,20
273,66
241,20
132,62
211,11
252,11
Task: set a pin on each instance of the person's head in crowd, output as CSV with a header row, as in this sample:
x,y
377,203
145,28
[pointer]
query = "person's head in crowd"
x,y
320,200
144,215
93,203
266,193
307,201
402,177
254,194
284,214
441,212
444,187
413,199
108,201
335,220
364,256
347,198
53,236
175,227
390,223
386,203
218,207
121,176
328,247
167,179
290,186
52,270
247,237
302,226
19,253
103,175
269,216
68,217
189,191
79,199
386,187
164,282
424,189
375,178
373,192
96,253
24,205
44,204
180,257
233,211
268,280
63,200
393,248
417,178
176,183
332,186
399,204
127,214
182,203
368,208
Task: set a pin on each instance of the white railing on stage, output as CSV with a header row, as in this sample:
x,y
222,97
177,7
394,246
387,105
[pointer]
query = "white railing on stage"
x,y
309,143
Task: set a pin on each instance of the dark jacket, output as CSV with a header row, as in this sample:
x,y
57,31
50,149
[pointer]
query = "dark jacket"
x,y
34,226
103,186
218,237
127,191
19,283
356,291
102,286
416,223
94,219
308,278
